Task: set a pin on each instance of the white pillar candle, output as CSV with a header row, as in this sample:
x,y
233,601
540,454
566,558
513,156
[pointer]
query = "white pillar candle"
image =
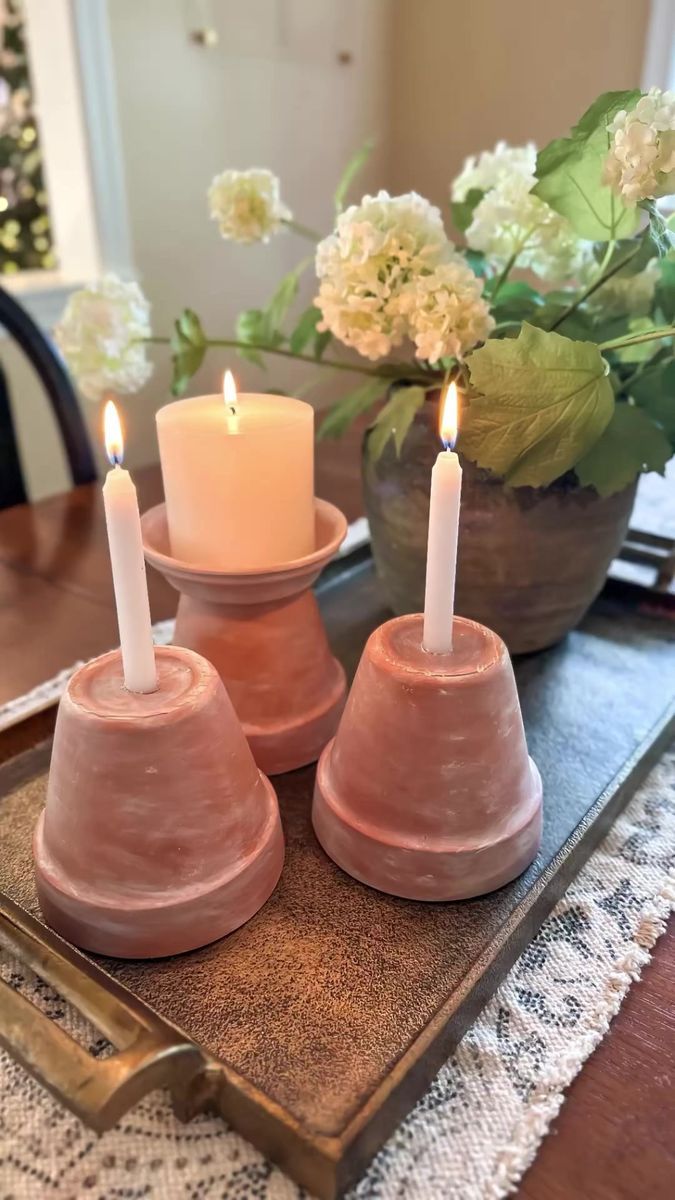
x,y
238,477
446,489
128,565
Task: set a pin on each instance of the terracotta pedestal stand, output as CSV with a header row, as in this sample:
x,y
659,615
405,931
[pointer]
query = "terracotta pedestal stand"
x,y
262,631
427,790
159,833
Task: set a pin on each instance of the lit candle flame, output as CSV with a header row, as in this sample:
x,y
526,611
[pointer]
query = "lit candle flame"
x,y
230,392
449,417
114,442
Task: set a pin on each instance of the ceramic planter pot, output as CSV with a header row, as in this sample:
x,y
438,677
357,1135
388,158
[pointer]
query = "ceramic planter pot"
x,y
263,632
159,832
531,560
427,790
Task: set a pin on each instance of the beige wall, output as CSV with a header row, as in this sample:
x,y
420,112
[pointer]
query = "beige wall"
x,y
272,93
469,72
432,80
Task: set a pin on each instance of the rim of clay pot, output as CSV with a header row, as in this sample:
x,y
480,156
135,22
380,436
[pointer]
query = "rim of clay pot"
x,y
331,530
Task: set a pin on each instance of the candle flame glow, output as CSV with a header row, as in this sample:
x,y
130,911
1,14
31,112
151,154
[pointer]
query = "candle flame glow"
x,y
449,417
230,392
114,442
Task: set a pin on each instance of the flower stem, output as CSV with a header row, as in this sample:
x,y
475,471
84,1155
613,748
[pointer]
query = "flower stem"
x,y
303,230
505,274
652,335
601,278
606,259
386,371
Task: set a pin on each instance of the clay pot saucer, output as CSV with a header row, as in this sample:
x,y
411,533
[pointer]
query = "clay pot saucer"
x,y
159,833
427,790
262,630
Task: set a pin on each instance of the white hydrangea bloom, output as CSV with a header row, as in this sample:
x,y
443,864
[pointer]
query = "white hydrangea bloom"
x,y
509,221
247,205
641,161
446,312
378,247
627,295
98,333
493,167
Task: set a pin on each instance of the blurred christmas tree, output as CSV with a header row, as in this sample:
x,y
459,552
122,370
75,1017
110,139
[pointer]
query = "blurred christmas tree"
x,y
25,231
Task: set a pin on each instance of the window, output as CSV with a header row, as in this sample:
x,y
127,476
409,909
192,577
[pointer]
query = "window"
x,y
70,91
659,64
25,227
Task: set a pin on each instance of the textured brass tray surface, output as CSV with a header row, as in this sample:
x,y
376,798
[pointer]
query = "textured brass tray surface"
x,y
316,1027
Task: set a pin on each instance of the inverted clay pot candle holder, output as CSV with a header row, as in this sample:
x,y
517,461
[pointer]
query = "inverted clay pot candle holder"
x,y
159,833
262,630
427,790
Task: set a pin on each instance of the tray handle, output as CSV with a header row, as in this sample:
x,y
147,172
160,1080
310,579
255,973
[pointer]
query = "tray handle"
x,y
149,1053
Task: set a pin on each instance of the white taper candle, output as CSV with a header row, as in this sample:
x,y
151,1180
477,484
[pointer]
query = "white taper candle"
x,y
446,489
128,566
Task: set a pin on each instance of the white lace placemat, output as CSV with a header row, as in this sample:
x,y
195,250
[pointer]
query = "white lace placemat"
x,y
478,1127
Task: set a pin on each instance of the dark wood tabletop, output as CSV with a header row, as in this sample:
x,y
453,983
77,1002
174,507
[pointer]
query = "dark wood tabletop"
x,y
615,1136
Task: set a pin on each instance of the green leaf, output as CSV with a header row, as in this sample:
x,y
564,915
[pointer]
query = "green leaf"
x,y
188,347
185,363
633,253
281,302
250,327
605,329
320,342
356,164
660,233
654,390
630,443
190,327
569,171
579,325
516,301
261,327
395,420
305,330
476,260
249,324
665,290
462,210
342,414
544,400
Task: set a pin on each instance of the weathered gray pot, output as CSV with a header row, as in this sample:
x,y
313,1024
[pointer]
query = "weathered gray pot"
x,y
531,560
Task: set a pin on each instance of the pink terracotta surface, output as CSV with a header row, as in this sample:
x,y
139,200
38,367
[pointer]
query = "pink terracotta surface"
x,y
263,632
427,790
159,832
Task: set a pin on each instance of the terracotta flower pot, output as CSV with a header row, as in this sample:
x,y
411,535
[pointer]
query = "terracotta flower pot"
x,y
531,560
263,632
159,833
427,790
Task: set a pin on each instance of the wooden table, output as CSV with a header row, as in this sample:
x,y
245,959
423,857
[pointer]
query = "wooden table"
x,y
615,1136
